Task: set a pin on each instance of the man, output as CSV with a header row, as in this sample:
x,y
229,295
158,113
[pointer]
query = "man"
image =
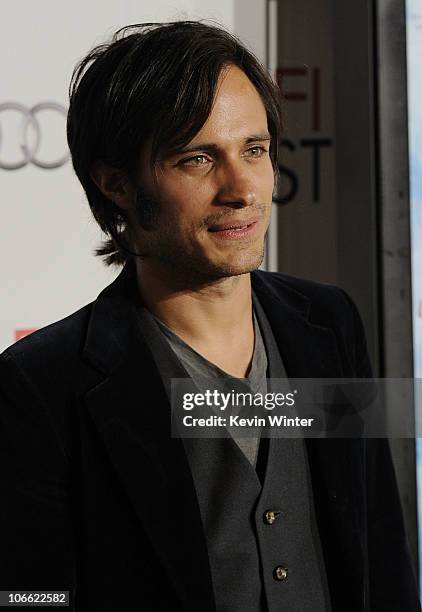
x,y
173,131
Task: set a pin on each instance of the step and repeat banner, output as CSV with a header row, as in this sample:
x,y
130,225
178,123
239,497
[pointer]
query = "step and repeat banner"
x,y
48,268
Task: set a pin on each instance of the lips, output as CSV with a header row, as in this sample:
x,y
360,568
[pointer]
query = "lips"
x,y
232,225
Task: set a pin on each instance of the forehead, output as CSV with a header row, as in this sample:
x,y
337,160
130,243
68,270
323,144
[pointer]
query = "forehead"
x,y
237,110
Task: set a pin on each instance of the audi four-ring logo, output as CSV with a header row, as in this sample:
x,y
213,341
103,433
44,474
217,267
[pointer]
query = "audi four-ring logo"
x,y
29,147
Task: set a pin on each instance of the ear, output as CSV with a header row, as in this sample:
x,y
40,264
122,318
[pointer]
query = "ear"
x,y
113,183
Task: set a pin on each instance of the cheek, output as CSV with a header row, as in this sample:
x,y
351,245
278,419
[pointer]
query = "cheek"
x,y
185,203
180,220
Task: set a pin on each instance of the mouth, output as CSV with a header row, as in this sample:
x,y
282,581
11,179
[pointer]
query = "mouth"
x,y
232,225
234,229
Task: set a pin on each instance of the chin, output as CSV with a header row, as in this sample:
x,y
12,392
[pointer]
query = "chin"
x,y
239,265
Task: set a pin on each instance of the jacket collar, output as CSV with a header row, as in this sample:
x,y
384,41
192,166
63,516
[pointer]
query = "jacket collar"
x,y
112,322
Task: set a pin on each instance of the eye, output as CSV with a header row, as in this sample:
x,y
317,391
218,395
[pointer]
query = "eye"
x,y
256,151
195,161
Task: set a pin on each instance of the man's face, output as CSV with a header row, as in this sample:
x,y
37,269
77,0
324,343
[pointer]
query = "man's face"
x,y
222,179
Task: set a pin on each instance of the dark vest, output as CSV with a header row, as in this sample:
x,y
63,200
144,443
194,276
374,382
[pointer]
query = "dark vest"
x,y
262,539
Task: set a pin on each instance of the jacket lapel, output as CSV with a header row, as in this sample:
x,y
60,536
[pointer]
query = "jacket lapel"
x,y
307,350
132,414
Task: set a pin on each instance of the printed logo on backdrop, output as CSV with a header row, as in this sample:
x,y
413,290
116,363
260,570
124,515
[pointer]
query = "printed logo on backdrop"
x,y
33,135
21,333
304,151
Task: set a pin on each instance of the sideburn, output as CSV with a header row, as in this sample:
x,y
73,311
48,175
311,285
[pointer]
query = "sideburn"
x,y
147,209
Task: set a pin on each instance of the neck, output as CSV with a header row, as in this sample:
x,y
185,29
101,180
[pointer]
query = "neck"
x,y
201,312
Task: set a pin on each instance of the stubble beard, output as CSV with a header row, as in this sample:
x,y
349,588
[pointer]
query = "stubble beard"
x,y
195,269
191,267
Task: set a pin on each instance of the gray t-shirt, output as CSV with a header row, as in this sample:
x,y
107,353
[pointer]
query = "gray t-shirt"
x,y
202,371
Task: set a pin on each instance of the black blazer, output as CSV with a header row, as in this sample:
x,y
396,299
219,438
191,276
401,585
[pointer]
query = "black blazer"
x,y
99,500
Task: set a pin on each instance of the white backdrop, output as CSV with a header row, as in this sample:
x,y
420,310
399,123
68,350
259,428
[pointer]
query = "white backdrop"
x,y
48,269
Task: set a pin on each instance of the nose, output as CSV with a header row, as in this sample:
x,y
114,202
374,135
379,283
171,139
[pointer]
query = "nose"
x,y
236,185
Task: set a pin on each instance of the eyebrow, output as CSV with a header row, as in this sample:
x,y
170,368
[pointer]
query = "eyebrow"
x,y
212,148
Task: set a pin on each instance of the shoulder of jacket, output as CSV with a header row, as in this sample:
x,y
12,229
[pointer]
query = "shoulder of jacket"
x,y
46,364
39,375
57,340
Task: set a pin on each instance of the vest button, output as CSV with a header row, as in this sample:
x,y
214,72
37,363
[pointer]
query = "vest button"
x,y
270,516
280,573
